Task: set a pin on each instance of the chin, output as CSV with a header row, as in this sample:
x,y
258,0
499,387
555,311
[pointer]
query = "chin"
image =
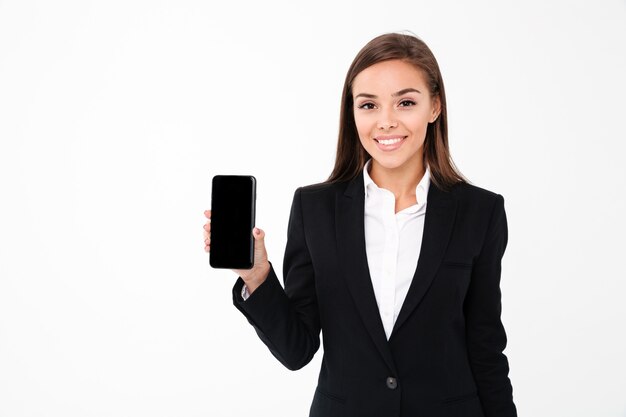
x,y
394,161
389,162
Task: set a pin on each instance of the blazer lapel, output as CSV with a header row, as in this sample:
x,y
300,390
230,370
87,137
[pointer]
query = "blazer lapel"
x,y
350,235
438,223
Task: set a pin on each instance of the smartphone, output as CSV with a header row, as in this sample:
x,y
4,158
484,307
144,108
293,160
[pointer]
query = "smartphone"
x,y
233,205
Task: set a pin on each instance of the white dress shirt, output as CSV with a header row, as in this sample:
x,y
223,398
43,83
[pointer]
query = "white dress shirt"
x,y
393,242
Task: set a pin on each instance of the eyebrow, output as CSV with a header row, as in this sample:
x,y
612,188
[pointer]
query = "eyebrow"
x,y
396,94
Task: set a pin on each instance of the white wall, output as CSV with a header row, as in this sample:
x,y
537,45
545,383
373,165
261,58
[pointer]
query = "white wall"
x,y
115,115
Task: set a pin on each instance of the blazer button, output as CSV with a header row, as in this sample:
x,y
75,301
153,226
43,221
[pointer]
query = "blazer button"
x,y
392,383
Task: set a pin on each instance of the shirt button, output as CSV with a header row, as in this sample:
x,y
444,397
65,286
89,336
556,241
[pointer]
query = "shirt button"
x,y
392,383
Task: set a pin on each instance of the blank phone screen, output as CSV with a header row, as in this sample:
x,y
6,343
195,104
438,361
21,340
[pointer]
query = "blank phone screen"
x,y
232,219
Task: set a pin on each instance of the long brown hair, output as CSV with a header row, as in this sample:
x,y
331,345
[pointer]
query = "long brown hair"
x,y
351,156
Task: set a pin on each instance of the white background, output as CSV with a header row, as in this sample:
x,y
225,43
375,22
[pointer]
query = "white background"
x,y
115,115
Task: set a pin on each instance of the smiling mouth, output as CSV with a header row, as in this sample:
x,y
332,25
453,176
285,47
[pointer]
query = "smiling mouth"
x,y
390,141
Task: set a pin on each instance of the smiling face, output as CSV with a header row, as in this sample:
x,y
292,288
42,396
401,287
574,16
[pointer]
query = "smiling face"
x,y
392,109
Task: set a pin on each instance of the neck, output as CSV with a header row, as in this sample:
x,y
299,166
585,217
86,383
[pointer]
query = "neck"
x,y
401,181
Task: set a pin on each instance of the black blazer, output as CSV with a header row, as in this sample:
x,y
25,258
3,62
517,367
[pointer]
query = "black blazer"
x,y
445,353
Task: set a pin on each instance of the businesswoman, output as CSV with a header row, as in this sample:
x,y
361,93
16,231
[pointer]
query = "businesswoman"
x,y
396,258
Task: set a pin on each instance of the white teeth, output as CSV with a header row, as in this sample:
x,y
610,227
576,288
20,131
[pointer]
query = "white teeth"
x,y
389,141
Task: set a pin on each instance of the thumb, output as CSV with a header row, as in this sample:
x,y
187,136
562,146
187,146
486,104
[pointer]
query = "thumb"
x,y
259,234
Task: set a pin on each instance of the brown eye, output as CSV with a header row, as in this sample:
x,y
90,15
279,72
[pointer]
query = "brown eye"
x,y
363,106
407,103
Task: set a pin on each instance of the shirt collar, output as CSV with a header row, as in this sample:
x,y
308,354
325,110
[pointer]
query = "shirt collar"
x,y
421,190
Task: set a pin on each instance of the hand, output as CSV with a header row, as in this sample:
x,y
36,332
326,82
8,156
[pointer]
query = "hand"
x,y
261,268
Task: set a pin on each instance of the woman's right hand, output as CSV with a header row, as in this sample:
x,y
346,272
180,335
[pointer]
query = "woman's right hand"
x,y
259,272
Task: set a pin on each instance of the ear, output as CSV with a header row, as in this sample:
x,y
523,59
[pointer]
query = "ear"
x,y
436,109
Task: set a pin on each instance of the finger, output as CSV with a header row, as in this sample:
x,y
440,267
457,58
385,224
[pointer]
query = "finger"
x,y
258,233
207,214
207,227
259,237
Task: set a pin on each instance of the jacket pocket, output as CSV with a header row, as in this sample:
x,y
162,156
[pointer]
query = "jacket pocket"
x,y
455,264
326,404
459,398
330,395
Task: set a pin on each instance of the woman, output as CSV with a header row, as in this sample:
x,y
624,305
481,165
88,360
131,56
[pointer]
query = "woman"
x,y
407,296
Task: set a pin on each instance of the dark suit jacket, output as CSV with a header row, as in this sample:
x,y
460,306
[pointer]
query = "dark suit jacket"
x,y
445,354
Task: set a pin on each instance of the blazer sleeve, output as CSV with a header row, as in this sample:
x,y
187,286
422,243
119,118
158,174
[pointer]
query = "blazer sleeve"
x,y
286,320
486,337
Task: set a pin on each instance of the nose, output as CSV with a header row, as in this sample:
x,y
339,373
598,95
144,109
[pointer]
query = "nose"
x,y
387,125
387,121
